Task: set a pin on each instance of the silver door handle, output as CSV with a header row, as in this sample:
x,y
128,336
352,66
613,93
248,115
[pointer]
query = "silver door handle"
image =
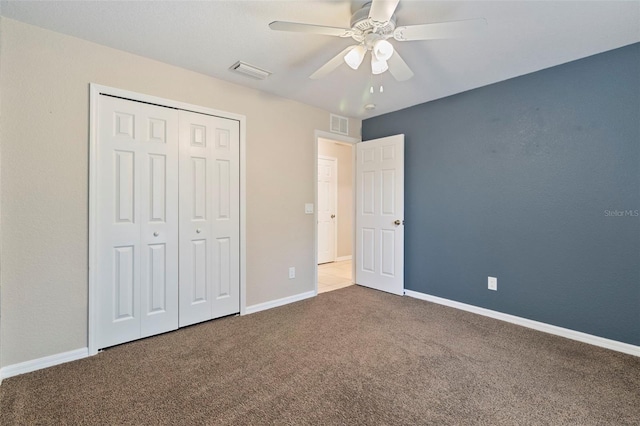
x,y
155,234
198,230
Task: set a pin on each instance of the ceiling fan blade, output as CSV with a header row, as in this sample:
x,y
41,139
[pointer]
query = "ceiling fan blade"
x,y
310,29
333,63
399,68
454,29
382,10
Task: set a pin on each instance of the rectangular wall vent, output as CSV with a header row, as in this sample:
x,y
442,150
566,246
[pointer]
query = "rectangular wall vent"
x,y
249,70
339,124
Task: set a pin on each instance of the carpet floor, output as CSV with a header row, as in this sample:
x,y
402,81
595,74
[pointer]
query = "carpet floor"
x,y
352,356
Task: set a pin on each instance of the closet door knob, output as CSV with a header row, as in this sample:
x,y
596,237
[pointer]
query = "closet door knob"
x,y
155,234
198,230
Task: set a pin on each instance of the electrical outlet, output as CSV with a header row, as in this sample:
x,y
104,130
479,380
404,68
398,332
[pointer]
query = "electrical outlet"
x,y
292,272
492,283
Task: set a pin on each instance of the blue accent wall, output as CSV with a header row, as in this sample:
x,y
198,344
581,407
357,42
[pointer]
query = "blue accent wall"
x,y
536,181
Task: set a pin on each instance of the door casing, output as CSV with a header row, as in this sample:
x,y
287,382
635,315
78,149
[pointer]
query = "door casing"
x,y
95,90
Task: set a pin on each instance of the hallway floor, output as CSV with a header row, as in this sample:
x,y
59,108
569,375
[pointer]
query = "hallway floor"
x,y
334,275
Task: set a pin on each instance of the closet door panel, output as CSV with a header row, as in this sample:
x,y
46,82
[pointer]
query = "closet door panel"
x,y
209,208
137,220
195,218
159,215
226,229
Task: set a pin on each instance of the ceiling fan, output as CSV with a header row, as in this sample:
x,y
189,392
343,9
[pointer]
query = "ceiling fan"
x,y
371,26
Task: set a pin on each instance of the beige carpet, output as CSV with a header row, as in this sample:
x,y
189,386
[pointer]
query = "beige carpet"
x,y
350,356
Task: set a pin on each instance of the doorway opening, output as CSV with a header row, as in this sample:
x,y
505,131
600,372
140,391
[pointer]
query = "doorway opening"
x,y
335,212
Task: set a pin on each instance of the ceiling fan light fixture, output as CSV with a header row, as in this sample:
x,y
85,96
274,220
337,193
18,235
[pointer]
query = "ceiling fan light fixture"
x,y
372,25
355,56
378,66
382,50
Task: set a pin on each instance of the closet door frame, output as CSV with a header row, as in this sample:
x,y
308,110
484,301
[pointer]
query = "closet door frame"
x,y
95,91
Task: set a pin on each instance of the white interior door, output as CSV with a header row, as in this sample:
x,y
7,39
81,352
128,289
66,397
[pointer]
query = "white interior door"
x,y
209,217
380,214
327,208
137,220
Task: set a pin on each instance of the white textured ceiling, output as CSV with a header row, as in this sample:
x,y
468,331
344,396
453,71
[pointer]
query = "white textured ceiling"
x,y
209,36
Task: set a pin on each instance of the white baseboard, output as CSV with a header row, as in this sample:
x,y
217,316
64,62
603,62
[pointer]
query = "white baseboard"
x,y
44,362
279,302
536,325
343,258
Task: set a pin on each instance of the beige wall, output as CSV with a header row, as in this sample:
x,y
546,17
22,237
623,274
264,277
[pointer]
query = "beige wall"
x,y
345,192
44,122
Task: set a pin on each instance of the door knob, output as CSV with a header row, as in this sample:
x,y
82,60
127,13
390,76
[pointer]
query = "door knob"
x,y
155,234
397,222
198,230
333,216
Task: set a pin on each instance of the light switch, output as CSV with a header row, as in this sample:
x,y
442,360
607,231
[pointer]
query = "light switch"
x,y
308,208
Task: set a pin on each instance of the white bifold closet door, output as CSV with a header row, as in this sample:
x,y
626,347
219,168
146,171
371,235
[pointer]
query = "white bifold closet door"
x,y
137,220
167,219
209,217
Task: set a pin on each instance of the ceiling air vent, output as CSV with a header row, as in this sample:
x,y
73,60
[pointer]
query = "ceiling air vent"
x,y
249,70
339,124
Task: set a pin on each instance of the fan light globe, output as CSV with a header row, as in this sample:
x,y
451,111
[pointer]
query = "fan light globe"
x,y
355,56
383,50
378,66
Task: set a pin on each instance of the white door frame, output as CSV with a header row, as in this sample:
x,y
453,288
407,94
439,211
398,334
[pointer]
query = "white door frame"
x,y
320,134
95,91
335,203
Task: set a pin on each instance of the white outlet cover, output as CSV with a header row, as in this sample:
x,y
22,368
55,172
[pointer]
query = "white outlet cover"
x,y
308,208
292,272
492,283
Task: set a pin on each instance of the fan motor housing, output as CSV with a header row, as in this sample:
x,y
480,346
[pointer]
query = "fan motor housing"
x,y
362,24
